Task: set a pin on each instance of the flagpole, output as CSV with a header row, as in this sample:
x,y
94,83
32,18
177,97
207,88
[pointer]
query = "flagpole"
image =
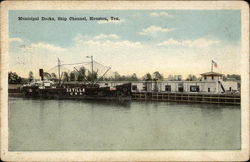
x,y
212,66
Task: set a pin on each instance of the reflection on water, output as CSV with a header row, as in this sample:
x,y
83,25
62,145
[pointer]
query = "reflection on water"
x,y
93,125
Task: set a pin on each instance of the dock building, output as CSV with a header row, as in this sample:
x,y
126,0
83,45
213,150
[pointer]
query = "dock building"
x,y
211,82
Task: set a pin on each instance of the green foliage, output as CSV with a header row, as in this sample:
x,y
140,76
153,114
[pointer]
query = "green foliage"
x,y
53,76
92,77
72,76
81,74
13,78
191,78
233,76
47,75
117,76
31,76
65,76
157,76
147,77
134,77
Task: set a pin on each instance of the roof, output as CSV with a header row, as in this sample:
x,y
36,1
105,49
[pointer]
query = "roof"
x,y
211,74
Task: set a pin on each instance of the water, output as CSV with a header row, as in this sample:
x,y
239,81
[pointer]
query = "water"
x,y
62,125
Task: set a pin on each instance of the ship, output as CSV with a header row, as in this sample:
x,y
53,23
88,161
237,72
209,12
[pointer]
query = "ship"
x,y
89,90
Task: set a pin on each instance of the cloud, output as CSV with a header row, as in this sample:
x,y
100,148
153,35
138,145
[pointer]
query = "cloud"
x,y
201,42
107,36
45,46
158,14
104,42
155,29
127,57
113,44
107,41
19,40
111,21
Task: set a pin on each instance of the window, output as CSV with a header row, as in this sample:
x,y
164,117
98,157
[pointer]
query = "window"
x,y
205,77
230,88
208,89
212,77
180,87
194,89
168,88
134,87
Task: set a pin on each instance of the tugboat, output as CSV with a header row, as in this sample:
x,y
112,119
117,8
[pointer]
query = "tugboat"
x,y
92,90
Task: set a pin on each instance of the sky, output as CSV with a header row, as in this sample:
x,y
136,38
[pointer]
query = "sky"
x,y
177,42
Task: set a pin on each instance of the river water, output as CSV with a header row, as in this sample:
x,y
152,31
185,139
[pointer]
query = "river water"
x,y
63,125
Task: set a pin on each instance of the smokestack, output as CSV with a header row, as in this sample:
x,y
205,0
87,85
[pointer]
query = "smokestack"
x,y
41,74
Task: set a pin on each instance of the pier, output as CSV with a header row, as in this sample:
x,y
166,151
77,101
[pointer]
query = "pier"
x,y
229,99
185,97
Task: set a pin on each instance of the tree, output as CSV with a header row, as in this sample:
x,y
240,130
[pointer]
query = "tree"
x,y
31,77
14,78
234,76
134,77
147,77
81,74
117,76
95,75
178,77
92,77
170,77
72,76
157,76
66,76
47,75
191,77
53,76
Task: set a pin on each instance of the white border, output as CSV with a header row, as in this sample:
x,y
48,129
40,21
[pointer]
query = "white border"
x,y
199,155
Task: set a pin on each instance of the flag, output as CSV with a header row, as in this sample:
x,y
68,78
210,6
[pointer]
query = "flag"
x,y
214,63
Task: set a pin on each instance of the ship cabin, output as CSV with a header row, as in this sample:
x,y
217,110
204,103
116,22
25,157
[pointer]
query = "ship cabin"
x,y
42,84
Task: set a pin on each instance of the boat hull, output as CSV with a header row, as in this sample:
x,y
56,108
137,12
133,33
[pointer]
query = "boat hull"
x,y
120,93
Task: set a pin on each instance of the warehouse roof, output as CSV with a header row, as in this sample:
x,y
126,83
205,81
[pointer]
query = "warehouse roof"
x,y
211,74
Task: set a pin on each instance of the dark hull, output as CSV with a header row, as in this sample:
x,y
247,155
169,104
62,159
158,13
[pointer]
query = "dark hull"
x,y
121,93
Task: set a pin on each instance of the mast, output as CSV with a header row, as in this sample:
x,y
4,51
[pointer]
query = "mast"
x,y
92,69
59,71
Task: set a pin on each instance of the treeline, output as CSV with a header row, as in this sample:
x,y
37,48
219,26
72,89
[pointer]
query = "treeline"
x,y
85,75
232,76
13,78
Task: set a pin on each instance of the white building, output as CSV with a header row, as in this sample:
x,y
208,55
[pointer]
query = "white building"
x,y
211,82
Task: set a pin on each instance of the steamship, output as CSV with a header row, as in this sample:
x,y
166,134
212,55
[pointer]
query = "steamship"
x,y
90,90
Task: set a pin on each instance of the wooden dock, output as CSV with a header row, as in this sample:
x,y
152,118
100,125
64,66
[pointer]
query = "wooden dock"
x,y
230,99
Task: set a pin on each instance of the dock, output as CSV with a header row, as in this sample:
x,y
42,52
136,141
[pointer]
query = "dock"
x,y
229,99
185,97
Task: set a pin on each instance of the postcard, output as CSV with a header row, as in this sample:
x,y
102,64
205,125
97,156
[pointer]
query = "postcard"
x,y
124,81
